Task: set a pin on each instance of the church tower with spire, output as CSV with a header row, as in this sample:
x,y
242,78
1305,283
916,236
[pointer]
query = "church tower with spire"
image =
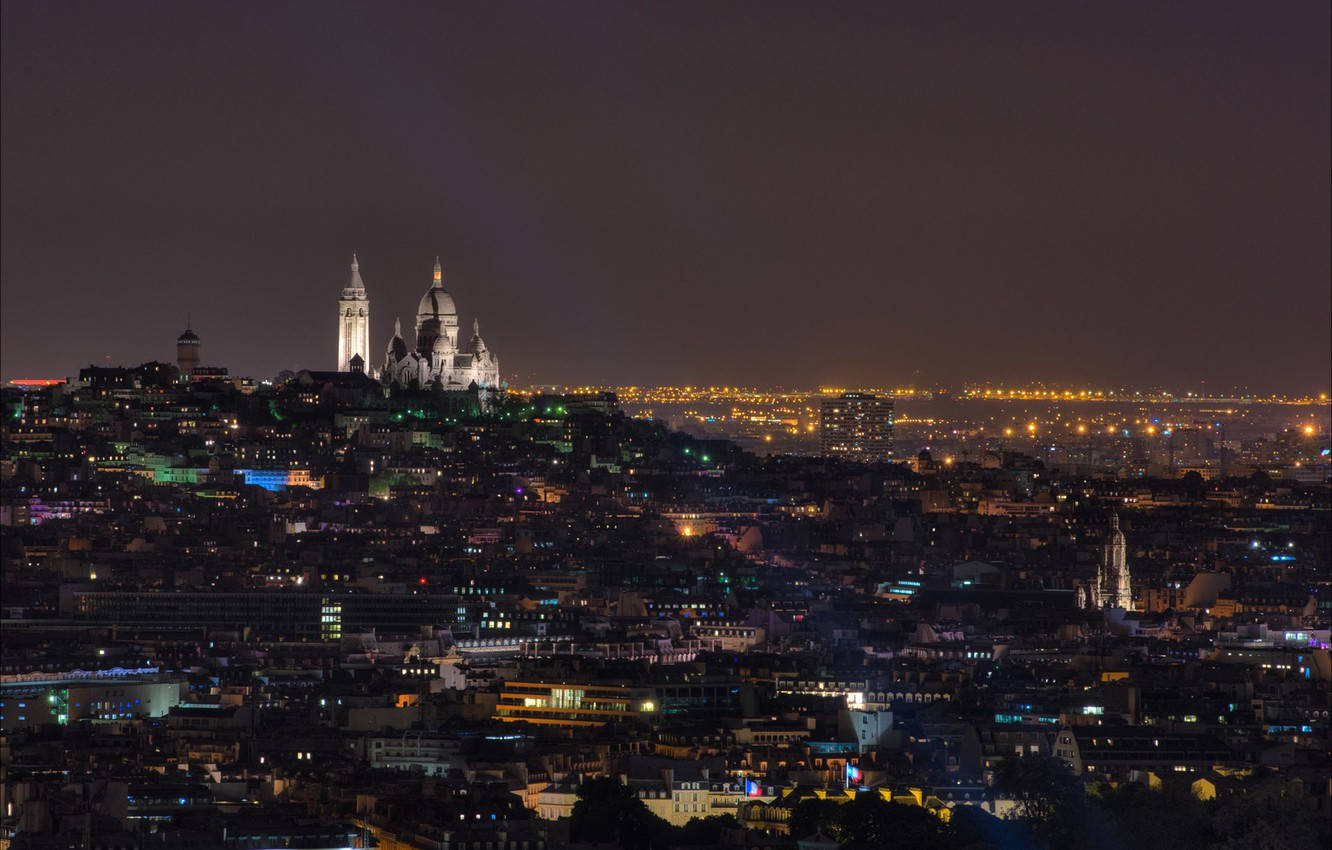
x,y
1114,590
353,320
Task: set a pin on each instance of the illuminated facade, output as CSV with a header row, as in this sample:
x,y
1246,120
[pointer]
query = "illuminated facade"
x,y
437,357
1111,589
569,705
857,427
1115,591
31,702
353,322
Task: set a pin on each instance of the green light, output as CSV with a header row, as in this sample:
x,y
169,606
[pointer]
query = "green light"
x,y
706,459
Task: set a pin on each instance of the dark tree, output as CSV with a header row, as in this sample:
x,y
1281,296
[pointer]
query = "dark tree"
x,y
973,828
608,811
1193,484
705,832
869,821
1050,799
812,814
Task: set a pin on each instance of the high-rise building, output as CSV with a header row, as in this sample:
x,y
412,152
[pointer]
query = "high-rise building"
x,y
353,321
187,353
857,427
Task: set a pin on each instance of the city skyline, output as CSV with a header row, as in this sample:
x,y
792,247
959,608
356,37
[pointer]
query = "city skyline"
x,y
1054,194
965,386
665,426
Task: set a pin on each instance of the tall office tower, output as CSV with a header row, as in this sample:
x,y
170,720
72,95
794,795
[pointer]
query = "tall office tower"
x,y
353,321
187,353
857,427
1188,447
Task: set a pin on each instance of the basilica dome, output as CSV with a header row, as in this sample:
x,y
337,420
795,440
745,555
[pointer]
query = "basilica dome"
x,y
435,357
436,303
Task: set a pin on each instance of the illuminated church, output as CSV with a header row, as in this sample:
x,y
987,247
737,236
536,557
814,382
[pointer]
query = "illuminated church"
x,y
1111,587
354,323
434,358
1114,590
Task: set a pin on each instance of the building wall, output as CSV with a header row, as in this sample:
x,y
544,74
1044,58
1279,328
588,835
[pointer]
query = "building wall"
x,y
353,332
857,427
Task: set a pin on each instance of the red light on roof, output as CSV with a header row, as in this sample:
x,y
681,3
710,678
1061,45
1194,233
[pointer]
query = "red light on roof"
x,y
423,581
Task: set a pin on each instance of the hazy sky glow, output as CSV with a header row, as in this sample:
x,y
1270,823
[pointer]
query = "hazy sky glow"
x,y
763,193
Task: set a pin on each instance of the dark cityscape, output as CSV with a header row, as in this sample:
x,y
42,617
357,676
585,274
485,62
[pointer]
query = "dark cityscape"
x,y
767,426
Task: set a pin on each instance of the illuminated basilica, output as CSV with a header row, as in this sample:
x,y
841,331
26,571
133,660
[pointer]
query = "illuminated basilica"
x,y
435,358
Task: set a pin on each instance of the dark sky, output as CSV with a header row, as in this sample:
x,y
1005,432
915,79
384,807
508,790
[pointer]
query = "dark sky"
x,y
764,193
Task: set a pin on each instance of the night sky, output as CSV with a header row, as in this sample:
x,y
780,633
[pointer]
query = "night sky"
x,y
764,193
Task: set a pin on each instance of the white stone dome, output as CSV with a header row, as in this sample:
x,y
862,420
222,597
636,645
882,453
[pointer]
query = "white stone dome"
x,y
436,304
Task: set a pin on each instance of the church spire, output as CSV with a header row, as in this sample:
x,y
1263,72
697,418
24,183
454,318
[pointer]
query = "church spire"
x,y
476,327
397,328
354,281
439,273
